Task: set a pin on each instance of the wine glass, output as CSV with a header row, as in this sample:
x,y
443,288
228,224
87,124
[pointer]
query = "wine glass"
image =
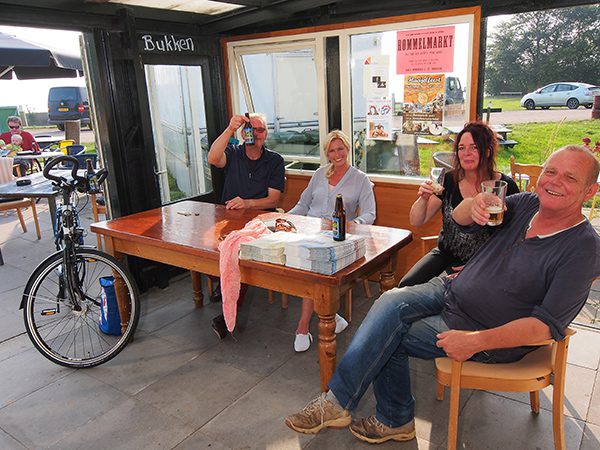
x,y
436,174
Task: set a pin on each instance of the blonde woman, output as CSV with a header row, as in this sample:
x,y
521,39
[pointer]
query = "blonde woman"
x,y
318,200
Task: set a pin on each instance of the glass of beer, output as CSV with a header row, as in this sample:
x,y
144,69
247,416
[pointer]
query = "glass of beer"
x,y
494,195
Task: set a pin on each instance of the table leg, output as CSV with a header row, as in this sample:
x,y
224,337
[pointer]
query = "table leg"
x,y
197,288
387,281
120,288
52,211
327,349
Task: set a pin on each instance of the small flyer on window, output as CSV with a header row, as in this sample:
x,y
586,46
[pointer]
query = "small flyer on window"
x,y
423,108
379,119
376,76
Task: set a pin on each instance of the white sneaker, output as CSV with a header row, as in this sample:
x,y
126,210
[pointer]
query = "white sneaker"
x,y
340,324
302,342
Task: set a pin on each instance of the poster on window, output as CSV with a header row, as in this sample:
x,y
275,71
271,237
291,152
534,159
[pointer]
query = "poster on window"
x,y
425,50
376,76
423,108
379,119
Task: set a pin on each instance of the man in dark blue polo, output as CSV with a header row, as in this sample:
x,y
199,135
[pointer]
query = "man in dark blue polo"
x,y
254,177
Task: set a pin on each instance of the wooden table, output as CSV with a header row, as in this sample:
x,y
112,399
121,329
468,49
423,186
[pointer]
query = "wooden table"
x,y
187,234
36,157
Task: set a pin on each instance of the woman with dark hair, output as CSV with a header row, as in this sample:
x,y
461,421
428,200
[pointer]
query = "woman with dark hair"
x,y
475,150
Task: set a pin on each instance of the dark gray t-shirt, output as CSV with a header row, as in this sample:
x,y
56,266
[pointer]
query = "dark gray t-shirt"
x,y
511,277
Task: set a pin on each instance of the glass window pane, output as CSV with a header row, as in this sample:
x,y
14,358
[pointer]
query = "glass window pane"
x,y
179,129
283,86
408,91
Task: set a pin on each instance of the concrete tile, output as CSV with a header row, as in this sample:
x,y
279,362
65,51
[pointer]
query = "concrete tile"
x,y
199,441
255,421
129,424
330,439
165,315
143,362
584,349
69,403
198,390
192,331
593,415
14,346
7,442
12,325
578,393
591,437
27,252
10,300
491,421
12,277
258,350
25,373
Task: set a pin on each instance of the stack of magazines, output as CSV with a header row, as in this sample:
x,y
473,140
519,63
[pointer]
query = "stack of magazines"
x,y
314,252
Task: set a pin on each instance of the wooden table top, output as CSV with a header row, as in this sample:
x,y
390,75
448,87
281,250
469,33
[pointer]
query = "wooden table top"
x,y
197,228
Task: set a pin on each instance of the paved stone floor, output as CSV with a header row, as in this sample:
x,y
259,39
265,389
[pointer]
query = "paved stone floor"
x,y
176,386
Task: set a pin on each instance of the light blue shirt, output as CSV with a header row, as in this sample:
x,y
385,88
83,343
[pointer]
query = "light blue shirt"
x,y
318,200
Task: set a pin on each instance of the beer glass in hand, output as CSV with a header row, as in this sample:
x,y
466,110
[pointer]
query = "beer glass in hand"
x,y
436,175
494,195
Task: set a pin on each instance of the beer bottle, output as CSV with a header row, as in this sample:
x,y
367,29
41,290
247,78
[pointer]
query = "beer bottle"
x,y
248,132
92,180
339,220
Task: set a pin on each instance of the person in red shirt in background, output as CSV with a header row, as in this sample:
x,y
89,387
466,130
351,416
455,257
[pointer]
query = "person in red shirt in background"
x,y
14,124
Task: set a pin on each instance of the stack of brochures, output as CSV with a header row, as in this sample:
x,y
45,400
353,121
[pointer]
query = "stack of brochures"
x,y
269,248
314,252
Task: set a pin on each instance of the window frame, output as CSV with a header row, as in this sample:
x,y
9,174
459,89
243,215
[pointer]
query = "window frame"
x,y
234,47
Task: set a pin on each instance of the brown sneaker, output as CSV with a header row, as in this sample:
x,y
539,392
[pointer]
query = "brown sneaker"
x,y
318,414
373,431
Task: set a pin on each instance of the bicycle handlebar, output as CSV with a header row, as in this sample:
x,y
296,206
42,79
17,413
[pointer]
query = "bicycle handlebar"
x,y
79,182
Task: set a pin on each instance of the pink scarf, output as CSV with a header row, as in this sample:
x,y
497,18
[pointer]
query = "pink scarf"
x,y
230,269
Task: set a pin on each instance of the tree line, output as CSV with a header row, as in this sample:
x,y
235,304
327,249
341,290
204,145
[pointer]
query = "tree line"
x,y
533,49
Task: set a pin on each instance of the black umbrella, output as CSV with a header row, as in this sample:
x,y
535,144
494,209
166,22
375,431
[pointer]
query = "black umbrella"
x,y
33,61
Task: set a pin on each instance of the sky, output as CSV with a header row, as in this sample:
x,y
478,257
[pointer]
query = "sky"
x,y
32,95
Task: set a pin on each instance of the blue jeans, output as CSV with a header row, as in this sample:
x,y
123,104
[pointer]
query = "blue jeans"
x,y
401,323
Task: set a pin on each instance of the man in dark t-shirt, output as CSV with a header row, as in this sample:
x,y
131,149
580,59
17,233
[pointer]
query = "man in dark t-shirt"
x,y
254,178
254,175
526,284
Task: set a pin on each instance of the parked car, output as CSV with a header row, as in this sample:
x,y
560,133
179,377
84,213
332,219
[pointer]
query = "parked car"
x,y
568,94
68,103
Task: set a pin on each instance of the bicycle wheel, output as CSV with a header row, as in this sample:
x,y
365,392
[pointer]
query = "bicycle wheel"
x,y
68,335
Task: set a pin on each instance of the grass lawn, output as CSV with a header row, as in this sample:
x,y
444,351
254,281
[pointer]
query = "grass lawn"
x,y
506,103
535,142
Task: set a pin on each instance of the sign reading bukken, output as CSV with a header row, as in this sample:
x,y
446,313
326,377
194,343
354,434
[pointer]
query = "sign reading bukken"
x,y
425,50
166,43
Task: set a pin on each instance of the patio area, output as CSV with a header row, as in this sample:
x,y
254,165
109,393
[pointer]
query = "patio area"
x,y
177,386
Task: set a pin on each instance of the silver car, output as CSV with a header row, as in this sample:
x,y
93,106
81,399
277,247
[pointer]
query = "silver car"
x,y
568,94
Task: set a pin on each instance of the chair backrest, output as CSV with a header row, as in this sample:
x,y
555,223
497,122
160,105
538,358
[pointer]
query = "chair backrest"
x,y
6,170
525,175
75,149
443,159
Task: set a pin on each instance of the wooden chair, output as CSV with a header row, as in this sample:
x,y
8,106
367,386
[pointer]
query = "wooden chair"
x,y
537,370
525,175
6,175
97,209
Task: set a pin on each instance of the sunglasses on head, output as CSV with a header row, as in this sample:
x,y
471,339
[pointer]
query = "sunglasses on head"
x,y
284,225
